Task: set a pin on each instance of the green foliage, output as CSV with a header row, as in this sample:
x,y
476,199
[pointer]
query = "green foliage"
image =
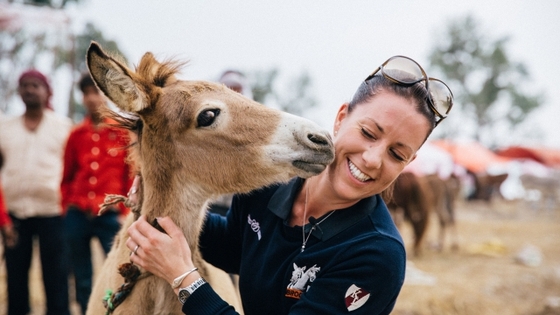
x,y
262,84
299,98
83,41
483,77
20,50
295,98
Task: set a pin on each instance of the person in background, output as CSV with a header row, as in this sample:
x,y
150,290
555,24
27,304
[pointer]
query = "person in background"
x,y
94,165
31,149
237,82
323,245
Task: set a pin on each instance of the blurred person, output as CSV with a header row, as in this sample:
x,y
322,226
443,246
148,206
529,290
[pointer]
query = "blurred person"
x,y
236,81
322,245
94,165
31,150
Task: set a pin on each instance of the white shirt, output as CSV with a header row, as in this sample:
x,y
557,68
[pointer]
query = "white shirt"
x,y
33,162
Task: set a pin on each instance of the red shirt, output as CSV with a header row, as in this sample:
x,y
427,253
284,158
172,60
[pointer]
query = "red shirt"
x,y
4,218
94,165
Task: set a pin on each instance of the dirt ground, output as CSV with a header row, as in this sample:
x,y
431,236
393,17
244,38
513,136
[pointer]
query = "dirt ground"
x,y
482,277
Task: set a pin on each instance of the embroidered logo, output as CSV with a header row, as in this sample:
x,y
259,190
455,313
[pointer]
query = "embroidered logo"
x,y
355,297
254,226
300,281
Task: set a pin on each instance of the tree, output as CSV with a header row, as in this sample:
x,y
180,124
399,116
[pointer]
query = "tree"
x,y
75,57
485,81
22,48
262,84
49,43
295,98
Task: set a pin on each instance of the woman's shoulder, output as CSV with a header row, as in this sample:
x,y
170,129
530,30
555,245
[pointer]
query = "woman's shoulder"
x,y
267,192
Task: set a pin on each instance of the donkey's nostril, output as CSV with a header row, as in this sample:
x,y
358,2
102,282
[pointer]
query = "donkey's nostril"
x,y
317,139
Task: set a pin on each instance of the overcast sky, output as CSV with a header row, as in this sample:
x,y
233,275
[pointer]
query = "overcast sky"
x,y
337,42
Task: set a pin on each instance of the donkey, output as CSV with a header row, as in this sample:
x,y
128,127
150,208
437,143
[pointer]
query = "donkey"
x,y
195,140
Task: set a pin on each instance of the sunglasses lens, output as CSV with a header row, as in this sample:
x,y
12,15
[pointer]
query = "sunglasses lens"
x,y
403,70
441,96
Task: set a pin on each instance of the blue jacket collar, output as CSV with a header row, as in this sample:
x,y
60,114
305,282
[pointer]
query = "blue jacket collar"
x,y
282,201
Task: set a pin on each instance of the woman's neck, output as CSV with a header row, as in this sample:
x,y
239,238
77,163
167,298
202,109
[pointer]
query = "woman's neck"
x,y
315,199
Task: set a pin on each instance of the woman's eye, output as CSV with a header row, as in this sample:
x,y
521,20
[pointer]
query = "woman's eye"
x,y
397,156
367,134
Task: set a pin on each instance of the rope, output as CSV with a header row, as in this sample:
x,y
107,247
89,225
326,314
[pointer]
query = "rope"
x,y
130,272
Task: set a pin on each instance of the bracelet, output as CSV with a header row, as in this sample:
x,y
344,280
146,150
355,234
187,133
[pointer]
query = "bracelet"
x,y
177,282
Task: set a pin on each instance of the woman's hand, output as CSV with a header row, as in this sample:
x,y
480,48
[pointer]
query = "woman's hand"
x,y
165,255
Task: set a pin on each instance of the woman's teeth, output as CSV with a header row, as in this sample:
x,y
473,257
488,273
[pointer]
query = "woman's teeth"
x,y
357,173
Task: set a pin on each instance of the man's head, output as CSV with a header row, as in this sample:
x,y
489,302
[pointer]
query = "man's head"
x,y
92,97
35,90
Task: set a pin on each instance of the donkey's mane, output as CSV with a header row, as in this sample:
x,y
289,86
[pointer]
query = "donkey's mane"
x,y
158,73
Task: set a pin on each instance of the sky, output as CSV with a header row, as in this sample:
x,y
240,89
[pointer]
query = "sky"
x,y
337,42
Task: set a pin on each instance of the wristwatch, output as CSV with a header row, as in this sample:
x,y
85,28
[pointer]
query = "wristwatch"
x,y
186,292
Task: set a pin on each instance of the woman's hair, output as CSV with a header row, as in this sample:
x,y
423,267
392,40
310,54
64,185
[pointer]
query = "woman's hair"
x,y
416,92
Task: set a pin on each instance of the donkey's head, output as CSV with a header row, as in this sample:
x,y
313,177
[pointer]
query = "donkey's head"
x,y
205,135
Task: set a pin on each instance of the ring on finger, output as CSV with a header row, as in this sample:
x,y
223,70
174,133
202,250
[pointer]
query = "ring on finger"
x,y
135,249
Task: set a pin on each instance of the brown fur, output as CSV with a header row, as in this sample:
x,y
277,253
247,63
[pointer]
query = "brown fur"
x,y
184,162
487,186
416,197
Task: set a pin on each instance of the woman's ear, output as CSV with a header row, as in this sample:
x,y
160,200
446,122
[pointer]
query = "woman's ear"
x,y
340,116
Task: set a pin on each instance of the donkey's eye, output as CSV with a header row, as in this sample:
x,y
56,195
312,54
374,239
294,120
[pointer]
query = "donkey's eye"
x,y
207,117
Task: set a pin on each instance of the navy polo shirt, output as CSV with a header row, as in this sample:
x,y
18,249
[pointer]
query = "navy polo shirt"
x,y
354,261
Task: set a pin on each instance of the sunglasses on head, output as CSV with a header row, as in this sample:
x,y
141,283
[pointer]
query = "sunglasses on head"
x,y
405,71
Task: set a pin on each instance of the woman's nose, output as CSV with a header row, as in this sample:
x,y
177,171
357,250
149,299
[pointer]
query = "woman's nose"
x,y
373,157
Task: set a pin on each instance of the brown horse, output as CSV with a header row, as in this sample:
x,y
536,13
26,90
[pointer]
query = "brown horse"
x,y
415,197
195,140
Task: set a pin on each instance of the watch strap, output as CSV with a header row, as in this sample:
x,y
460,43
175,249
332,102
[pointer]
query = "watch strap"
x,y
186,292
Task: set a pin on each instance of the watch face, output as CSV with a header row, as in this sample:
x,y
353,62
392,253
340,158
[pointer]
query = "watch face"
x,y
183,295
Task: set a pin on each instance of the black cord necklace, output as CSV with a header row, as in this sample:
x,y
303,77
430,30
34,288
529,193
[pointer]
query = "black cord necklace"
x,y
304,239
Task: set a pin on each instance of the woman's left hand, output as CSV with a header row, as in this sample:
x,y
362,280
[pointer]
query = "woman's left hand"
x,y
165,255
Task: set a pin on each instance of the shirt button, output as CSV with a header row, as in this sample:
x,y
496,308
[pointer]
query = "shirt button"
x,y
91,195
95,150
95,137
113,152
94,166
93,180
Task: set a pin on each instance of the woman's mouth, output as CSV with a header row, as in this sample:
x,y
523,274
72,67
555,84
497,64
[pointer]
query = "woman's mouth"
x,y
356,173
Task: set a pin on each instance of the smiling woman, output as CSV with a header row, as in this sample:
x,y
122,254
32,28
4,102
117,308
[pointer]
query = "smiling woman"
x,y
321,245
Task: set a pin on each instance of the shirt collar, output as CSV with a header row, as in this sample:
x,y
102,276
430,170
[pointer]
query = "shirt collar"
x,y
282,201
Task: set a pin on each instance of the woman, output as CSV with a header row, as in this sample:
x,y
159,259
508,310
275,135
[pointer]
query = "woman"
x,y
323,245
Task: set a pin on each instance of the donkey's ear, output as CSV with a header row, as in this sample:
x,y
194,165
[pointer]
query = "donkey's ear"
x,y
115,80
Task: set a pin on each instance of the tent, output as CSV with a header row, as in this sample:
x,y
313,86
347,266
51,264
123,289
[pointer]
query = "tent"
x,y
547,156
473,156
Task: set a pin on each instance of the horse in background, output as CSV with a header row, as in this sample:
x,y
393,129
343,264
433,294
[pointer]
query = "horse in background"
x,y
416,197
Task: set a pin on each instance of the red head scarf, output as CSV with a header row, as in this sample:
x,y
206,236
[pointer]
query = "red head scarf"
x,y
41,77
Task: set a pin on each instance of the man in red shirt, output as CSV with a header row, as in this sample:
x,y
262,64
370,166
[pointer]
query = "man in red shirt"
x,y
94,165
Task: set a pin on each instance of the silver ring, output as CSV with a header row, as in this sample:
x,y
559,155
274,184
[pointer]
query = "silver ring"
x,y
135,249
